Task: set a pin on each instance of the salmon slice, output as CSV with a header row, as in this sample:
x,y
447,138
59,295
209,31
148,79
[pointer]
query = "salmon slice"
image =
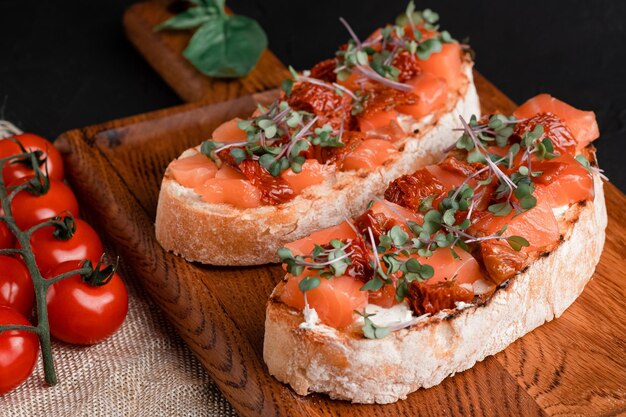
x,y
564,181
445,65
377,121
238,192
447,267
581,123
229,132
432,93
193,170
334,300
227,172
394,211
537,225
312,173
448,179
370,153
305,245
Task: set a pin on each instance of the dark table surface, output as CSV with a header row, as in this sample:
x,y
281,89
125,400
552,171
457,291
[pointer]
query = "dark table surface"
x,y
66,64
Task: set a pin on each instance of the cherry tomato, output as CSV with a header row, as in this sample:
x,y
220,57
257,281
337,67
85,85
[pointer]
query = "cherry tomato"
x,y
83,314
50,251
13,172
16,286
7,240
18,351
29,209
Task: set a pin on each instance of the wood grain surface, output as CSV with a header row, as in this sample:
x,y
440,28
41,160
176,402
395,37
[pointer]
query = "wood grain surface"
x,y
163,51
575,365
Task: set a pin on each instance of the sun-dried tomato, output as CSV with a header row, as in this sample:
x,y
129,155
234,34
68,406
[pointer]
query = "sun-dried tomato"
x,y
554,129
336,155
384,99
378,222
408,66
360,267
424,298
325,103
501,261
410,190
325,70
463,168
274,190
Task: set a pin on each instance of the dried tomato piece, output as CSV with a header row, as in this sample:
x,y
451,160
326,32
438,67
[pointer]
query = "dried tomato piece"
x,y
274,190
554,128
325,103
410,190
408,66
378,222
501,261
430,299
385,98
463,168
325,70
360,267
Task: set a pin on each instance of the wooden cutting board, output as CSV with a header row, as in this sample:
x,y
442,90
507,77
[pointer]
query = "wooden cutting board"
x,y
163,51
575,365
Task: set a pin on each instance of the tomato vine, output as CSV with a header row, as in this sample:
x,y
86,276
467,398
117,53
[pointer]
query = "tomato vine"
x,y
24,249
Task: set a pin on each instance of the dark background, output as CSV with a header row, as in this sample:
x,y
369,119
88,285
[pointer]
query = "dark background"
x,y
67,64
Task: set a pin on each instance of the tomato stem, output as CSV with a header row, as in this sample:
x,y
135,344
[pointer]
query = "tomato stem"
x,y
41,285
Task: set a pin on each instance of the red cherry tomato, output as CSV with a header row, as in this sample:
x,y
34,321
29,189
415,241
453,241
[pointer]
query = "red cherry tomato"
x,y
29,209
18,351
50,251
13,172
83,314
16,286
7,240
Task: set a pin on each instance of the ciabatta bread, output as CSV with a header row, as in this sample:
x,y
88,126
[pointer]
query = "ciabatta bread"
x,y
350,367
221,234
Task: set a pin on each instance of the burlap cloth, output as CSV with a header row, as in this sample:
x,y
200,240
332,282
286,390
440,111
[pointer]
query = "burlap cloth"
x,y
143,370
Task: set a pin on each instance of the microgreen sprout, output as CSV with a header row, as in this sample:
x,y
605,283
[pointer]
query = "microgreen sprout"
x,y
276,139
373,58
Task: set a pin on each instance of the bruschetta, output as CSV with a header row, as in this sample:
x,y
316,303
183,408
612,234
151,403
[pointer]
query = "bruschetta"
x,y
457,261
338,134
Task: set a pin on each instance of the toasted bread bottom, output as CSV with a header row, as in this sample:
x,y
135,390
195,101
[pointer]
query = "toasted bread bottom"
x,y
385,370
221,234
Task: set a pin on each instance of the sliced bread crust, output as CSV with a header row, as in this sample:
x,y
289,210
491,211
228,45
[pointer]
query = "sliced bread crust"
x,y
385,370
221,234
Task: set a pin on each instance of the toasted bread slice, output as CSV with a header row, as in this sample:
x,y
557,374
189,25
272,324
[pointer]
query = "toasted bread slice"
x,y
347,366
221,234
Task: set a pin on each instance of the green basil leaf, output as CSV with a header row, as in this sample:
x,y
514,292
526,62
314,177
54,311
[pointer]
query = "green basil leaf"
x,y
228,47
189,19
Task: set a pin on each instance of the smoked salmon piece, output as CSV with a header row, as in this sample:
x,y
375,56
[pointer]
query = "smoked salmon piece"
x,y
376,121
229,173
238,192
581,123
334,300
229,132
304,246
193,170
537,225
445,65
312,173
447,267
564,181
371,153
432,93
